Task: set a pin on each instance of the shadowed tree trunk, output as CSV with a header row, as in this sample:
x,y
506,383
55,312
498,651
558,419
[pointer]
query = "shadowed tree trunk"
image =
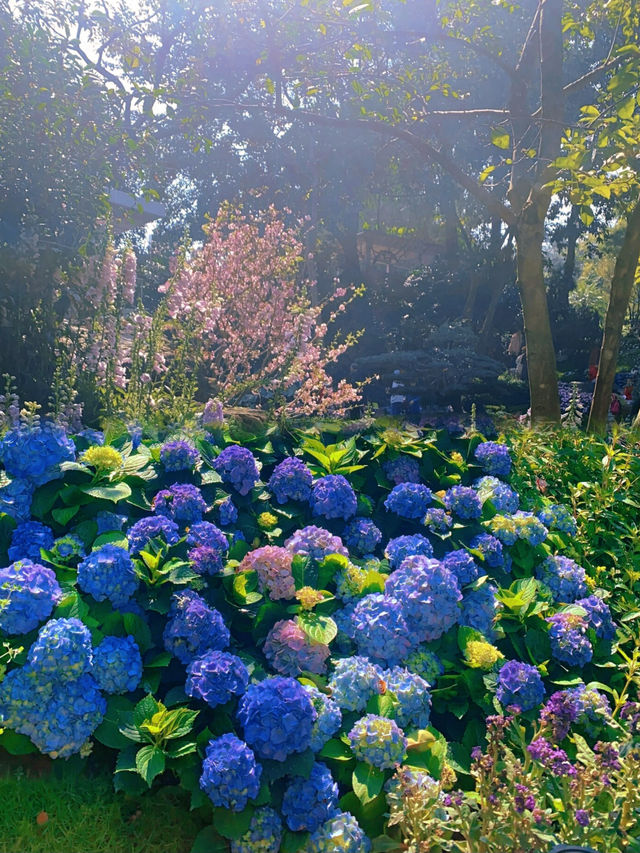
x,y
624,274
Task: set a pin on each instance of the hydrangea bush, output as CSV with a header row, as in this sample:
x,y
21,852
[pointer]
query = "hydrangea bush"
x,y
307,637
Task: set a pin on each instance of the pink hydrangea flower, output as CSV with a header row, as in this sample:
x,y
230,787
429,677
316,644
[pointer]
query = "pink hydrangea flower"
x,y
273,565
290,651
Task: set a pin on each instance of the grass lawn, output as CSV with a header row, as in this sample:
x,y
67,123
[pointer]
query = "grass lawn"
x,y
83,814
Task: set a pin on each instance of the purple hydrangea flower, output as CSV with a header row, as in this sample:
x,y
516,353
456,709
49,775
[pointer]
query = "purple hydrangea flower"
x,y
402,469
277,717
479,609
327,722
307,803
108,573
412,694
362,535
429,596
553,758
437,520
182,503
143,531
409,500
315,542
178,455
15,500
117,665
28,538
598,616
401,547
519,684
333,497
463,501
461,564
491,549
494,458
230,773
28,594
564,577
208,547
238,467
569,641
193,627
216,677
227,512
290,651
380,631
291,481
559,712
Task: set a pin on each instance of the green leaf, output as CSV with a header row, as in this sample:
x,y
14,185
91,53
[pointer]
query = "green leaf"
x,y
304,571
108,732
63,516
150,762
111,537
115,493
367,782
292,842
500,138
320,629
337,750
232,824
328,567
144,710
384,844
209,841
16,744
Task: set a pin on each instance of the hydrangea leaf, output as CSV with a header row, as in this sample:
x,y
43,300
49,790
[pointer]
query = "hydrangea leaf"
x,y
367,782
150,762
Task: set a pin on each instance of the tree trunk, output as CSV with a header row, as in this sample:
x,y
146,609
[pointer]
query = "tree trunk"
x,y
541,357
622,282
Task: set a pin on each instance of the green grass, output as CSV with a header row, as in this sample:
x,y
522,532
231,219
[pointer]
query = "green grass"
x,y
86,815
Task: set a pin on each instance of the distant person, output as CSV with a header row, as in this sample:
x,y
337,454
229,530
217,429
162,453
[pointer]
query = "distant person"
x,y
522,371
592,370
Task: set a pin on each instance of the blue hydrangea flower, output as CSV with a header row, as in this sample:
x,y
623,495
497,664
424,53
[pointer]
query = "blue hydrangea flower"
x,y
307,803
568,638
227,512
35,454
28,594
503,497
491,549
598,616
479,609
494,458
143,531
402,469
593,709
117,665
559,517
277,716
24,696
238,467
437,520
520,684
333,497
462,565
182,503
62,650
362,535
378,741
193,627
340,834
401,547
28,538
91,436
380,631
412,694
216,677
15,500
463,501
73,713
564,577
354,681
529,528
230,773
209,547
108,521
178,455
344,621
315,542
409,500
424,663
504,528
108,573
263,836
68,549
328,720
429,596
291,481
